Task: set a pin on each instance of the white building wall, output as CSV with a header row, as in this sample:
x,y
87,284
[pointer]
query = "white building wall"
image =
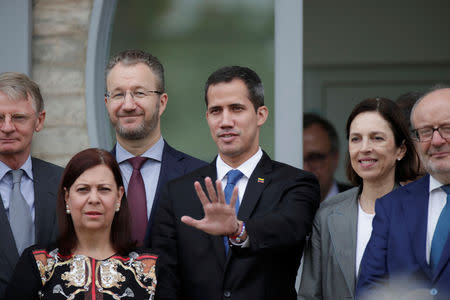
x,y
60,34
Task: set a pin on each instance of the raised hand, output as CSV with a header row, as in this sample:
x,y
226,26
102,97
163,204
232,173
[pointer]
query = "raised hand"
x,y
220,217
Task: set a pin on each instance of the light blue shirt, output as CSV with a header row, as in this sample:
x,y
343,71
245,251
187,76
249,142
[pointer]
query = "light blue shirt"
x,y
334,190
26,185
150,169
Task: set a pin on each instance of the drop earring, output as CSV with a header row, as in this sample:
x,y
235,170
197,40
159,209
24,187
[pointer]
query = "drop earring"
x,y
67,209
117,207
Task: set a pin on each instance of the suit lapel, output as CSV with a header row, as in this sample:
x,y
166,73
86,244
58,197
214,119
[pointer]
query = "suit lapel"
x,y
44,202
415,207
251,196
8,245
342,224
216,241
170,168
257,182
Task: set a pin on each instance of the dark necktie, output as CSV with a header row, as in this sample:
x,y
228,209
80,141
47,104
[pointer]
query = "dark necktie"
x,y
233,177
137,202
441,232
20,215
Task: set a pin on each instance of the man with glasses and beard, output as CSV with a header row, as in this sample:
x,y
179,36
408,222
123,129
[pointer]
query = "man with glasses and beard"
x,y
135,100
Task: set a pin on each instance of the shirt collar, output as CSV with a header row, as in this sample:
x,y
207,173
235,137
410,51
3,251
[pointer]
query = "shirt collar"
x,y
434,184
334,190
26,167
155,152
246,168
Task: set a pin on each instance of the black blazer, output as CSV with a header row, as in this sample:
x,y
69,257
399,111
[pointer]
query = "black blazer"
x,y
173,165
278,207
46,180
342,187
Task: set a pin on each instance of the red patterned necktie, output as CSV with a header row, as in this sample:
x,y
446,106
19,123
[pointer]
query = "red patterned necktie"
x,y
137,202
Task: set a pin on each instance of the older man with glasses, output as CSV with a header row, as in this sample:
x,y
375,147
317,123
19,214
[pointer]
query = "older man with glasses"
x,y
408,254
135,100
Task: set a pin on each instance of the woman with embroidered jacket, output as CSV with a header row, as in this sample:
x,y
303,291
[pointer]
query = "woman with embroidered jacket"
x,y
95,258
380,155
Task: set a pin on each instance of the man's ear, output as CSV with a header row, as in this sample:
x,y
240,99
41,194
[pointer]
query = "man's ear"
x,y
334,159
262,113
40,121
163,98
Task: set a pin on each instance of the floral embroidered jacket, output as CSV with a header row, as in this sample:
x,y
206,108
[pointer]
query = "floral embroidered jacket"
x,y
49,275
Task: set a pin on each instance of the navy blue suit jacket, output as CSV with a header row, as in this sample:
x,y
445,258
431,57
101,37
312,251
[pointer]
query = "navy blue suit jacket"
x,y
173,165
396,251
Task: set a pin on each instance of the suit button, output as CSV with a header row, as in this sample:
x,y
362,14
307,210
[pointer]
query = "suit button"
x,y
433,292
227,294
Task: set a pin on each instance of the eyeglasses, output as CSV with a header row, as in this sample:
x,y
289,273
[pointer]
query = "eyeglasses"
x,y
425,134
119,96
16,119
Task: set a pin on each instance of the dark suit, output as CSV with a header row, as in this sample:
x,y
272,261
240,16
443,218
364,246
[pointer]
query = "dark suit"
x,y
397,247
173,165
278,207
342,187
46,178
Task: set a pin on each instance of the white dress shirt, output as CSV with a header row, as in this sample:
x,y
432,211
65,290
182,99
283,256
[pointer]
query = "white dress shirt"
x,y
363,232
437,201
246,168
150,169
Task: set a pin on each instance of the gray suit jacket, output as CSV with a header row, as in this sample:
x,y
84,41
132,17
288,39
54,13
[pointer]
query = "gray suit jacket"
x,y
46,181
330,254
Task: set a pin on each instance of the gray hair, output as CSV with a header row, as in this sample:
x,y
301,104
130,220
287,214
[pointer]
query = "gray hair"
x,y
19,86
